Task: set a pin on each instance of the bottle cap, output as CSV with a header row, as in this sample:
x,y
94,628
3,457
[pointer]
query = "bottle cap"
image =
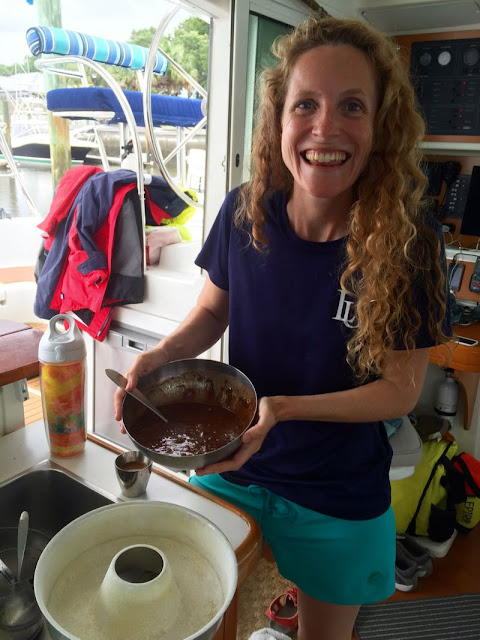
x,y
62,341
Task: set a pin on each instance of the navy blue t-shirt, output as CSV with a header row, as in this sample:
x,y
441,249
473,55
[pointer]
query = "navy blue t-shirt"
x,y
288,326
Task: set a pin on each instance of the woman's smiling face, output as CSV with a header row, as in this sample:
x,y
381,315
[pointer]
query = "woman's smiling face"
x,y
328,121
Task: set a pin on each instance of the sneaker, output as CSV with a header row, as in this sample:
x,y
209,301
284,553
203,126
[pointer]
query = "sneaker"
x,y
413,550
406,577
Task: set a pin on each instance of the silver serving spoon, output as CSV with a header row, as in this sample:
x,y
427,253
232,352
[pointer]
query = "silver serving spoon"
x,y
20,616
121,382
21,542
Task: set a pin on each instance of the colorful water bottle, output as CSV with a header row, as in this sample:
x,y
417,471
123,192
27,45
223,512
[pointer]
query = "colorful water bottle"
x,y
62,355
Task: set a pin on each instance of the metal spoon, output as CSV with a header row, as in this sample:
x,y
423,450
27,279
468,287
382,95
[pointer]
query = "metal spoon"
x,y
121,382
20,615
6,573
21,542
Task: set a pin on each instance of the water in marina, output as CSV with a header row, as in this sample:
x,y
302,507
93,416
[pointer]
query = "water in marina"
x,y
38,182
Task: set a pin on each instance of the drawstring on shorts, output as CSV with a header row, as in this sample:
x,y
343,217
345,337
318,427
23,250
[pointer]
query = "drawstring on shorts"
x,y
273,506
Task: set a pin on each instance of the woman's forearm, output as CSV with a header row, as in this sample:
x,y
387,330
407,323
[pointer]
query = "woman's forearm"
x,y
202,328
197,333
392,396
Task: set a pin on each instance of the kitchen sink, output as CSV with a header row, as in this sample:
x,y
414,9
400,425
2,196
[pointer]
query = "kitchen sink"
x,y
53,497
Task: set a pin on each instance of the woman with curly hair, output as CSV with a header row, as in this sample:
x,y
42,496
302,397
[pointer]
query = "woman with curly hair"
x,y
331,281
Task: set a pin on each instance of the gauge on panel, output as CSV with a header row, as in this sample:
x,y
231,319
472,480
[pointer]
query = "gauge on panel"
x,y
444,58
425,59
471,56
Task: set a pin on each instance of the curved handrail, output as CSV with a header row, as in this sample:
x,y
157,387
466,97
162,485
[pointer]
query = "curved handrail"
x,y
147,107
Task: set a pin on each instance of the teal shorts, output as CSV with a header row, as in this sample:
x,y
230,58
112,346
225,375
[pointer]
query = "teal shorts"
x,y
348,562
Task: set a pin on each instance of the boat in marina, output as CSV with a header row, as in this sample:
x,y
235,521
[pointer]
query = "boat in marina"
x,y
31,143
27,126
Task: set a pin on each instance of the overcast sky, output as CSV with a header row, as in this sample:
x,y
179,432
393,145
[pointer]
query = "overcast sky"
x,y
113,19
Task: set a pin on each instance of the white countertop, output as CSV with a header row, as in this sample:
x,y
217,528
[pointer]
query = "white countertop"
x,y
28,446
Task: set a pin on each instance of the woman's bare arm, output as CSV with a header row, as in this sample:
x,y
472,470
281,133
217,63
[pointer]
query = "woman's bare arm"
x,y
391,396
201,329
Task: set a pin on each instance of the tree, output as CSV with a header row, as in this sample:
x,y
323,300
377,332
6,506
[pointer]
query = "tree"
x,y
18,67
188,46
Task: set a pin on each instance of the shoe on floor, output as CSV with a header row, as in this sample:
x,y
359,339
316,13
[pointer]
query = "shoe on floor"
x,y
413,550
406,578
283,612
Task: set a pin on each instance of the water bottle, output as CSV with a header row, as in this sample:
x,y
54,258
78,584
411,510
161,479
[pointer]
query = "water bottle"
x,y
447,396
62,355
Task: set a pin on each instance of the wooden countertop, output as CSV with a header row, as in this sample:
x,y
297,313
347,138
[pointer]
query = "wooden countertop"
x,y
18,351
457,356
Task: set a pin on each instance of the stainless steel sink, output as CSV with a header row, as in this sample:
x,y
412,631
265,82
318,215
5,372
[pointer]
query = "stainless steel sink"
x,y
52,496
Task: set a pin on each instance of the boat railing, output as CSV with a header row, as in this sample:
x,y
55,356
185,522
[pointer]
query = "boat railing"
x,y
56,65
149,62
147,105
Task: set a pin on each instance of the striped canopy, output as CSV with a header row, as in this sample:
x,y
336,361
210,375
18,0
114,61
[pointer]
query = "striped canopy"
x,y
66,42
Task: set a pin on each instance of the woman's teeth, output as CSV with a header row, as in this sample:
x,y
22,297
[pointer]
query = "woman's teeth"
x,y
324,158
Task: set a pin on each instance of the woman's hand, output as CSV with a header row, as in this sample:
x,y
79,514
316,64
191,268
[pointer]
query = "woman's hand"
x,y
143,364
252,440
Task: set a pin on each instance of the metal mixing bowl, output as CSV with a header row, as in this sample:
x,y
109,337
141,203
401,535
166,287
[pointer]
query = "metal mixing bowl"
x,y
202,381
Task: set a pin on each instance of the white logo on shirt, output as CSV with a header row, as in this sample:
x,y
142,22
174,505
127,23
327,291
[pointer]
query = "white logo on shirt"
x,y
344,311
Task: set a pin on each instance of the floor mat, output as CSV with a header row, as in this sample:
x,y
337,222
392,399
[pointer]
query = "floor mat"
x,y
445,618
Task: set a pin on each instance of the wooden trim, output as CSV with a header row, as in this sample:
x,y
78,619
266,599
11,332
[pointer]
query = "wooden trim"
x,y
408,39
457,356
19,353
9,275
228,628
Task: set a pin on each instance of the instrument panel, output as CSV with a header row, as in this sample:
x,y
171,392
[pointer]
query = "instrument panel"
x,y
446,78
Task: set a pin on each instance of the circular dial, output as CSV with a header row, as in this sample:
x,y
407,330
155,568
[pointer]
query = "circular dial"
x,y
444,58
471,56
425,59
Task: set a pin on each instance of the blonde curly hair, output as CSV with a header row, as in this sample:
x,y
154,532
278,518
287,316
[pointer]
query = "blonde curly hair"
x,y
389,245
